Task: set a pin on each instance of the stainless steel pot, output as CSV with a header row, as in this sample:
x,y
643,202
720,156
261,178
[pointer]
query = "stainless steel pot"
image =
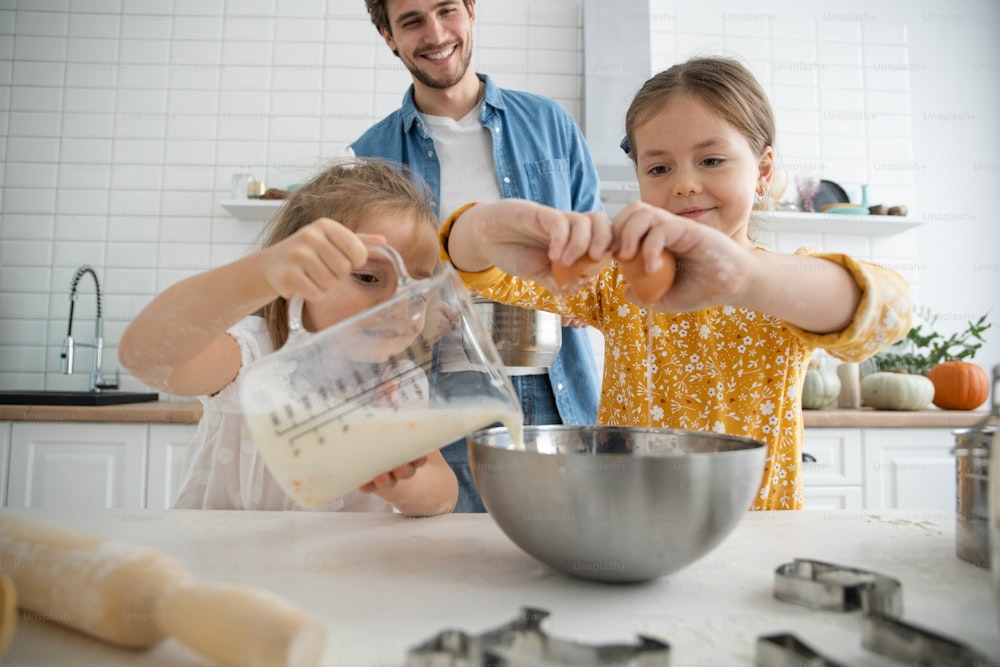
x,y
522,337
994,492
973,497
972,467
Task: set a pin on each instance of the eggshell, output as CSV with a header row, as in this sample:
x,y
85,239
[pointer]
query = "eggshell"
x,y
649,287
581,272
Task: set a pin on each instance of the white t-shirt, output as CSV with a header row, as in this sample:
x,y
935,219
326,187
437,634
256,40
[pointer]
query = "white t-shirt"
x,y
225,470
465,154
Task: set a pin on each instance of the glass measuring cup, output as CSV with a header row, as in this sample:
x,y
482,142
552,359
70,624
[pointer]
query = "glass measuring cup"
x,y
331,410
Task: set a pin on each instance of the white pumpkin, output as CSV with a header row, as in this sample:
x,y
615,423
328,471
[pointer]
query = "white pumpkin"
x,y
896,391
820,389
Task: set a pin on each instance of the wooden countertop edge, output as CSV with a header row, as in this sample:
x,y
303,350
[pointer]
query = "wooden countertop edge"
x,y
189,412
872,418
158,412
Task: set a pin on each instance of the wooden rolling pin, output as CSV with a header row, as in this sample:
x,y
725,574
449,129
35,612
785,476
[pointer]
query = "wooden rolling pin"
x,y
134,596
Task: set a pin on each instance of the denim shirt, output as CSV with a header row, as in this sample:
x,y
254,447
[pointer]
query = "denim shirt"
x,y
539,154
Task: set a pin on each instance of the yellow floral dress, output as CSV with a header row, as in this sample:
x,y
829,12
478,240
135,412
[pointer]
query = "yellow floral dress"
x,y
722,369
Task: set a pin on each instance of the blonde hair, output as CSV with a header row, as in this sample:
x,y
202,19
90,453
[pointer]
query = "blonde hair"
x,y
722,84
350,192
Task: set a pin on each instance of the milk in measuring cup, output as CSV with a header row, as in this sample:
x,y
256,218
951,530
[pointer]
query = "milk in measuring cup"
x,y
329,459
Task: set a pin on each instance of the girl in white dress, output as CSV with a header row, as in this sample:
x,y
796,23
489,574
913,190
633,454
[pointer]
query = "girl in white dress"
x,y
195,338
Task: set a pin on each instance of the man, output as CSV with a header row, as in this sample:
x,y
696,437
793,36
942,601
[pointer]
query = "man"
x,y
472,141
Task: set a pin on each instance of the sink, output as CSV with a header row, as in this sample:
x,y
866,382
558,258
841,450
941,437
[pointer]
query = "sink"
x,y
42,397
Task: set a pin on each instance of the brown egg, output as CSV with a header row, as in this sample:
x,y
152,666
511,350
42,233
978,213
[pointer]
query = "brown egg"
x,y
649,287
581,272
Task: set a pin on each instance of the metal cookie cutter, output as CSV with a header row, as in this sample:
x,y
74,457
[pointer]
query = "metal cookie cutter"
x,y
897,639
830,587
522,643
786,650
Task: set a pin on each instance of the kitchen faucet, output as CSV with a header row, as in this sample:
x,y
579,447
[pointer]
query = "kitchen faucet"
x,y
97,379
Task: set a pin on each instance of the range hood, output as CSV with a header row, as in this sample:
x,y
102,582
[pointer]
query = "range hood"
x,y
617,62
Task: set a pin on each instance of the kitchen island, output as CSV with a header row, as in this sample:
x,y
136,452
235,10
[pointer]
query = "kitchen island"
x,y
384,583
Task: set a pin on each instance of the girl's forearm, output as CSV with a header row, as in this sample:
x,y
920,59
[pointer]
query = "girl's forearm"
x,y
811,293
466,246
187,318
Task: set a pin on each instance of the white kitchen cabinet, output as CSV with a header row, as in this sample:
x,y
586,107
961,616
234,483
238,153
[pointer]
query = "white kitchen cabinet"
x,y
75,465
168,449
4,460
879,468
909,468
834,480
838,457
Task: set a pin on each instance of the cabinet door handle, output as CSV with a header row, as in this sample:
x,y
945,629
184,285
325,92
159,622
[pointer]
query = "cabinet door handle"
x,y
808,458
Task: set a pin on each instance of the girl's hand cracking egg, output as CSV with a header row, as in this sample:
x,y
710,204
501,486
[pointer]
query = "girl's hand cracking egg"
x,y
648,288
573,277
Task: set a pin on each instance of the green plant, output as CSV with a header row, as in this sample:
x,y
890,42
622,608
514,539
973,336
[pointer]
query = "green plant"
x,y
924,348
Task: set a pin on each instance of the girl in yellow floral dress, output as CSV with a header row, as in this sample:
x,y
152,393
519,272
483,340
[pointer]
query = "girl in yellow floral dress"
x,y
727,347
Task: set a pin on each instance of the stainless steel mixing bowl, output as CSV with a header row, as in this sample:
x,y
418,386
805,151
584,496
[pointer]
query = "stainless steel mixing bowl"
x,y
616,503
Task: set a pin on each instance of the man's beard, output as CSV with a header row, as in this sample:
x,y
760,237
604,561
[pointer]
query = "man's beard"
x,y
441,84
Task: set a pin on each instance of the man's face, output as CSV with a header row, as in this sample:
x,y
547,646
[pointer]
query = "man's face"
x,y
433,38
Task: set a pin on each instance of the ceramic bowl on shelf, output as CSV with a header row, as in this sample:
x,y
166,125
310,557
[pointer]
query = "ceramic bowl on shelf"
x,y
616,503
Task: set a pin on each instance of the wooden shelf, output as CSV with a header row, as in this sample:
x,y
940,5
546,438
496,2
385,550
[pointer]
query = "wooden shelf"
x,y
259,210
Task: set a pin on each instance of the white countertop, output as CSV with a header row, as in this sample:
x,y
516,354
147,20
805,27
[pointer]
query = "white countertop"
x,y
384,583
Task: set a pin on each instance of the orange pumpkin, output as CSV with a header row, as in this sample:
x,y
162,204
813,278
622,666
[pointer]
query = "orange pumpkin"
x,y
959,385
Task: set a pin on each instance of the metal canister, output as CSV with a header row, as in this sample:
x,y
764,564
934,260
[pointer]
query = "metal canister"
x,y
994,484
972,468
523,337
974,495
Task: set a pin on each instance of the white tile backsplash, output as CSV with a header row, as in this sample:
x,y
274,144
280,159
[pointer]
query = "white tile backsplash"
x,y
31,98
128,117
85,150
29,200
162,7
146,27
89,100
31,124
136,176
133,228
29,174
197,27
195,7
47,49
96,50
94,25
25,226
29,23
82,202
144,51
85,176
25,253
96,6
38,74
76,227
836,27
254,28
75,253
143,76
